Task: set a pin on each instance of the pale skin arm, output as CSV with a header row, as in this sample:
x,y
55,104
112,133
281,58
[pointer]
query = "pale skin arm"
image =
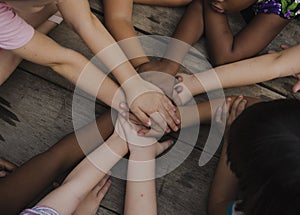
x,y
85,176
140,195
246,72
248,42
140,188
97,38
70,65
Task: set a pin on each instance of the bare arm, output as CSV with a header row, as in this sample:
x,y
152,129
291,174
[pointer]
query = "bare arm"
x,y
189,30
138,91
246,72
70,65
248,42
85,176
225,184
118,20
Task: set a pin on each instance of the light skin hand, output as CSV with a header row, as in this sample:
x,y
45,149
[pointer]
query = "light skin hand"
x,y
145,99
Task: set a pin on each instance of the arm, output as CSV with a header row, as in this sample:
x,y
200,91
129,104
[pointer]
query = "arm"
x,y
225,184
140,186
248,42
246,72
85,176
224,187
189,30
117,17
70,65
139,93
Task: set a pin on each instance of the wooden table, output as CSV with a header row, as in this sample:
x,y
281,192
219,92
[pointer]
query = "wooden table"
x,y
36,111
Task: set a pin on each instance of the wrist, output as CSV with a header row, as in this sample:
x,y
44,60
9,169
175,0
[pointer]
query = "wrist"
x,y
117,145
142,154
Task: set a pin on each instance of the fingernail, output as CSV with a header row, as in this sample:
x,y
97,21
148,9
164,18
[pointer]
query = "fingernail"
x,y
175,128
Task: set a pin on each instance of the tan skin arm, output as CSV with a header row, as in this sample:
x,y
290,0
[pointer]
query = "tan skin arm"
x,y
68,64
189,30
118,20
248,42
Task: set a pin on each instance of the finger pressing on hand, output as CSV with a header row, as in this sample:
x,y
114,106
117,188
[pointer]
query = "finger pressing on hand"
x,y
165,120
141,115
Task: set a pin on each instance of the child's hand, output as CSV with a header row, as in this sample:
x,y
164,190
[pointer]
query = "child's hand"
x,y
182,90
127,131
145,99
163,80
6,167
158,73
156,130
230,111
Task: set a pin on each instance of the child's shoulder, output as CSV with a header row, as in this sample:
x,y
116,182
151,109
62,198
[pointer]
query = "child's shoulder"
x,y
287,9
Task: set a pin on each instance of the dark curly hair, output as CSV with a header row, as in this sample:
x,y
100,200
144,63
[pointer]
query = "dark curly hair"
x,y
264,153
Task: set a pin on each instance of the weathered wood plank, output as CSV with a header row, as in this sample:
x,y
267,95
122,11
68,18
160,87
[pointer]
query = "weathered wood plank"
x,y
39,114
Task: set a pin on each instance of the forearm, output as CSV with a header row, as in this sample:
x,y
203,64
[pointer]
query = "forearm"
x,y
97,38
224,187
85,176
189,30
140,187
216,25
123,31
246,72
88,77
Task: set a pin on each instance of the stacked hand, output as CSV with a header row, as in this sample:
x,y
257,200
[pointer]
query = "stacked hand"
x,y
128,132
145,100
158,73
